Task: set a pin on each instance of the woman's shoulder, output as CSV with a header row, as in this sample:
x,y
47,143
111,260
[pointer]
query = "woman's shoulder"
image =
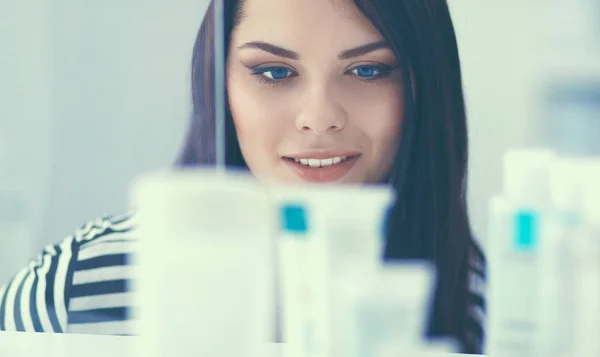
x,y
105,241
105,229
104,225
78,265
94,236
97,232
85,248
98,243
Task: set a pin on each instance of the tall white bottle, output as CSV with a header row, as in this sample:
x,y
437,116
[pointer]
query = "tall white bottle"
x,y
514,254
562,226
204,265
586,259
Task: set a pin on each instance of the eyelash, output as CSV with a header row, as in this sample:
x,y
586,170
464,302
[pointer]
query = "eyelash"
x,y
384,73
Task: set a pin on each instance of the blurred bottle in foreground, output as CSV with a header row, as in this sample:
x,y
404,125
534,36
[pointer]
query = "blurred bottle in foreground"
x,y
216,247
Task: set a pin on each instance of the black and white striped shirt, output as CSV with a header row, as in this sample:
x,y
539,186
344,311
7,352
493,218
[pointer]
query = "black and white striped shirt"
x,y
82,285
79,286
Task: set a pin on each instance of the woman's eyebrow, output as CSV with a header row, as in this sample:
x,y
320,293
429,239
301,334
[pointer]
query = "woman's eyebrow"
x,y
273,49
289,54
363,50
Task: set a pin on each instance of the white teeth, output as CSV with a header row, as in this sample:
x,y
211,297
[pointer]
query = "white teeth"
x,y
314,162
327,162
321,163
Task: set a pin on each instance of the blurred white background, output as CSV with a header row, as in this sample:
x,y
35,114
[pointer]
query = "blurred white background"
x,y
93,93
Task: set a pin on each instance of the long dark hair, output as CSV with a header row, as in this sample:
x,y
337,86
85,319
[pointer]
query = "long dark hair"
x,y
430,219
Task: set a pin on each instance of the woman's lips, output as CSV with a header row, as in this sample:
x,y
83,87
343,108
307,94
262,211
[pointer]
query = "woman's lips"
x,y
330,172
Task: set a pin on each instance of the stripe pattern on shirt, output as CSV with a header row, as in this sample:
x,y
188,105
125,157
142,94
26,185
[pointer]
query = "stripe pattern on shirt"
x,y
79,285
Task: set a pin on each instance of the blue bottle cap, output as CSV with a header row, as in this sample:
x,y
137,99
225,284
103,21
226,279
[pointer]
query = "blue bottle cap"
x,y
293,218
526,231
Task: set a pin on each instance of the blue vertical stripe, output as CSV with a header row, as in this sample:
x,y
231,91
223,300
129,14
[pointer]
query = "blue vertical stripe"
x,y
70,271
3,306
526,227
18,318
33,310
50,292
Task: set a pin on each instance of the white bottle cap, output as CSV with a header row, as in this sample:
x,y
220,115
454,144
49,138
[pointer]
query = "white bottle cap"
x,y
526,176
220,204
591,193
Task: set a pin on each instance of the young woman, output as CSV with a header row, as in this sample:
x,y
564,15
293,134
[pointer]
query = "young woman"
x,y
364,91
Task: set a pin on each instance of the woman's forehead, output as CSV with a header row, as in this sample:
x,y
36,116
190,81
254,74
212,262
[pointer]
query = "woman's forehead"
x,y
305,20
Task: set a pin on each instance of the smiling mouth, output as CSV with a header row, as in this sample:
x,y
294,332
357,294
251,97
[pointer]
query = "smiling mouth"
x,y
322,167
320,163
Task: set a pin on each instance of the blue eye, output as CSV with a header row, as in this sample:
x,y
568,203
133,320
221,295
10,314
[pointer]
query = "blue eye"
x,y
366,71
273,73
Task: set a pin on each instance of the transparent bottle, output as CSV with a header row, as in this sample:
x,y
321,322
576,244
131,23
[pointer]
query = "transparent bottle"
x,y
585,253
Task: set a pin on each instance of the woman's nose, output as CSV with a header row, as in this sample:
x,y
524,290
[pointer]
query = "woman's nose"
x,y
321,112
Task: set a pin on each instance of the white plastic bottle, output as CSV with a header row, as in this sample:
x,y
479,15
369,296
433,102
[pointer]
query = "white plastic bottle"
x,y
586,258
514,254
301,317
205,264
327,230
564,233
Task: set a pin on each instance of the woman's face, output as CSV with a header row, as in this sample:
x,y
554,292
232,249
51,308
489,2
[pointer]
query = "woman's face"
x,y
314,92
